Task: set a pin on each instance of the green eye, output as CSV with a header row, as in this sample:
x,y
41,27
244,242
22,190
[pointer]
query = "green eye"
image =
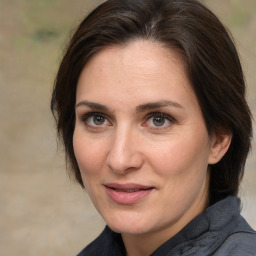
x,y
93,119
159,121
99,120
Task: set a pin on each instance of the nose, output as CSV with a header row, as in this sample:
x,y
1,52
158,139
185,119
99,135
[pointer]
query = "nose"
x,y
124,154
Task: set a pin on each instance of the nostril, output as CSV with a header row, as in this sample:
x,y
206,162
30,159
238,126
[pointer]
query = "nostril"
x,y
124,154
126,163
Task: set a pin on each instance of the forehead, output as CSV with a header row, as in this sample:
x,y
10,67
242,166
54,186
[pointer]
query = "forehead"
x,y
140,59
134,74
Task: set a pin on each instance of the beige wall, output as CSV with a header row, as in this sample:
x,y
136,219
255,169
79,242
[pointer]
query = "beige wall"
x,y
42,212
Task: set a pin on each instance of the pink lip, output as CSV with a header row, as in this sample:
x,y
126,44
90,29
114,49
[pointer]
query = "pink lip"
x,y
129,193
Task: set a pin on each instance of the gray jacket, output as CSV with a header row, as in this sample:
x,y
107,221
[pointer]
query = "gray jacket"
x,y
220,231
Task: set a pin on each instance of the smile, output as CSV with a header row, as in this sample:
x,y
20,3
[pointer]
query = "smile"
x,y
127,193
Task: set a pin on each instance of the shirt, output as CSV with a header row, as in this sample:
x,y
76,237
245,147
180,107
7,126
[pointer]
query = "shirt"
x,y
220,231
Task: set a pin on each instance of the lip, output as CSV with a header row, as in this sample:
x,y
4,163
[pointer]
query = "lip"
x,y
129,193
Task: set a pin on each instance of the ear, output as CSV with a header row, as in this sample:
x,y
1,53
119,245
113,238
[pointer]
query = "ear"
x,y
219,146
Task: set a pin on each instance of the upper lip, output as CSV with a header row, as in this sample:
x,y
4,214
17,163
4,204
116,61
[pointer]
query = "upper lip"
x,y
127,186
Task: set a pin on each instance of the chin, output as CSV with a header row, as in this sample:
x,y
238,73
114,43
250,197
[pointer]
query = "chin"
x,y
128,223
128,229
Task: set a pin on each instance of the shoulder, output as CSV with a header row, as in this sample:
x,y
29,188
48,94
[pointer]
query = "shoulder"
x,y
240,241
237,244
236,237
229,232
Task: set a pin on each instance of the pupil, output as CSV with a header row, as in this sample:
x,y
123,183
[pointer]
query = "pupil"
x,y
98,120
158,121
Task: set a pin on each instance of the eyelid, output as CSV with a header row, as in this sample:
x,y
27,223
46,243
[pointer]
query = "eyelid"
x,y
169,118
84,117
161,114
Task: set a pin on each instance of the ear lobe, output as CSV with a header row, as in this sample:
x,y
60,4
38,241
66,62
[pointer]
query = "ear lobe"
x,y
219,147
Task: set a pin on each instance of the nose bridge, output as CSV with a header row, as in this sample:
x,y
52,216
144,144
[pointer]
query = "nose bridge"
x,y
124,151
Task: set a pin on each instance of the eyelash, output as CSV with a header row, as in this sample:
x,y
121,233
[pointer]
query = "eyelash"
x,y
84,118
161,115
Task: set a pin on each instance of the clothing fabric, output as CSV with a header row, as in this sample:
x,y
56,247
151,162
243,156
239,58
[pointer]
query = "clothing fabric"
x,y
220,231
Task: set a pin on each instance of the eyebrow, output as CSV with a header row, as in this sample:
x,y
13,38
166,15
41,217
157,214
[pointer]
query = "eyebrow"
x,y
139,108
158,104
92,105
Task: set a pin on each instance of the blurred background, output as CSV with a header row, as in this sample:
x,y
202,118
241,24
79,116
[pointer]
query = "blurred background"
x,y
42,211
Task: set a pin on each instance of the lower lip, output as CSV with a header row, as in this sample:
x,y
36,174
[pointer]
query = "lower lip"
x,y
127,198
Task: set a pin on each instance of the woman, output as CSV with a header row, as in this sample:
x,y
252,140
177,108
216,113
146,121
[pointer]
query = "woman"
x,y
149,102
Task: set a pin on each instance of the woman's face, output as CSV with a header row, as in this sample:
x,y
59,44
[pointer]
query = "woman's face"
x,y
140,139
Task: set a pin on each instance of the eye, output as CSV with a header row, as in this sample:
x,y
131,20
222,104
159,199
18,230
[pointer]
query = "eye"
x,y
95,120
158,120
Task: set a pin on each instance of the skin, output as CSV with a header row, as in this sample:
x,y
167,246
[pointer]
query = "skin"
x,y
123,143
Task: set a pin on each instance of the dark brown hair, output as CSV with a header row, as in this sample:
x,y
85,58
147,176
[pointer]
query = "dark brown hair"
x,y
212,62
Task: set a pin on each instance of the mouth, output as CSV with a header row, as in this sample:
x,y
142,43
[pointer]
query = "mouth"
x,y
127,193
126,190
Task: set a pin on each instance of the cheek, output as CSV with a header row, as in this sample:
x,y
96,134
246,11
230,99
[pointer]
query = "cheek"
x,y
89,155
181,155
